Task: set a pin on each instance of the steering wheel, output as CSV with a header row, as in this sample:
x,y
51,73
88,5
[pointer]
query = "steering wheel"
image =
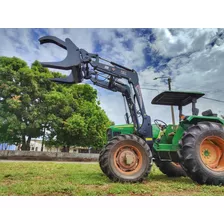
x,y
157,123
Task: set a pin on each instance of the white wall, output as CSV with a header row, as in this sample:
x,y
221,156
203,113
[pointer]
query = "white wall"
x,y
36,146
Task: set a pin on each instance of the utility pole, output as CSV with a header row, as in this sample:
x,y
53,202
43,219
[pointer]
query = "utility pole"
x,y
172,111
169,87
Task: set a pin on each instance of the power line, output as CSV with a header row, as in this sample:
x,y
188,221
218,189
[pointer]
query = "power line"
x,y
155,86
207,98
150,89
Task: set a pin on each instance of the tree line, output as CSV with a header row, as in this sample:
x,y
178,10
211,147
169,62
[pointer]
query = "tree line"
x,y
32,106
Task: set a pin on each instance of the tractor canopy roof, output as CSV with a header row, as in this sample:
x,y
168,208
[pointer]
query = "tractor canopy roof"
x,y
176,98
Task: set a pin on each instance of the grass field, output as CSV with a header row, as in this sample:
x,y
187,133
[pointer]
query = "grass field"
x,y
51,178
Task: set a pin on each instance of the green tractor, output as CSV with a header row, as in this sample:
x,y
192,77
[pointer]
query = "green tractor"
x,y
194,147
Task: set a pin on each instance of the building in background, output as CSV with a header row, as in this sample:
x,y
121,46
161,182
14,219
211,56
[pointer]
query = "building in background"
x,y
36,144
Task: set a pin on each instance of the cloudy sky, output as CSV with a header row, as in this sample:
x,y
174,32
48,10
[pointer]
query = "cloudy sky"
x,y
193,58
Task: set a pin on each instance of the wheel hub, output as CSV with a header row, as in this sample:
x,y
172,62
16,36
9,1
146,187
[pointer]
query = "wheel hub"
x,y
210,154
206,153
127,159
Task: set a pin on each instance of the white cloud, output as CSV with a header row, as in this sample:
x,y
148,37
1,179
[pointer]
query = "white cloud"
x,y
113,104
201,70
83,38
194,65
173,42
115,49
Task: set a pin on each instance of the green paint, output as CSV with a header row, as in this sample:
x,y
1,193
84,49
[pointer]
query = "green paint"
x,y
166,148
129,129
122,129
155,131
206,153
178,135
170,140
195,119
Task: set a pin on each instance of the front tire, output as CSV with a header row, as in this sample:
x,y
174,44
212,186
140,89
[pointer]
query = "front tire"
x,y
202,153
101,160
126,158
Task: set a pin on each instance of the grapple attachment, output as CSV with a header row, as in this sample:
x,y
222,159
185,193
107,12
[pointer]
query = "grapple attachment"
x,y
71,62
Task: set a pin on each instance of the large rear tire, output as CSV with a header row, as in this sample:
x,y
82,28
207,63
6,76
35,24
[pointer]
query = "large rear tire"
x,y
126,158
202,153
171,169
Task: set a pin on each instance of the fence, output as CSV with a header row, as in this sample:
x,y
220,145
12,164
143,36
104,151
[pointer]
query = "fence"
x,y
47,156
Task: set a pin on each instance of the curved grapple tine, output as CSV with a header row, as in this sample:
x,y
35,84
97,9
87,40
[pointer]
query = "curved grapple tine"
x,y
68,80
73,54
53,40
74,77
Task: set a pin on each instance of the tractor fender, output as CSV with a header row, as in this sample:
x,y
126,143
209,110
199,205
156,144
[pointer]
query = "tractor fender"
x,y
195,119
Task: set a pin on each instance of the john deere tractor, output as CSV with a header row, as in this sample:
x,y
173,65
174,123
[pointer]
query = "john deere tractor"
x,y
194,147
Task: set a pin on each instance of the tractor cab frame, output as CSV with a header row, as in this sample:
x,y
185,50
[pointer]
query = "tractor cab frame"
x,y
180,99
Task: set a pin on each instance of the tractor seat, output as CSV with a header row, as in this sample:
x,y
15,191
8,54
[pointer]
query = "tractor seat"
x,y
183,117
208,113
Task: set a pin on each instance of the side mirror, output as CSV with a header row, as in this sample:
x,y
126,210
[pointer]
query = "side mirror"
x,y
196,111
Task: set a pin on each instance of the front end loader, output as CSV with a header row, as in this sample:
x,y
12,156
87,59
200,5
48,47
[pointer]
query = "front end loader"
x,y
194,147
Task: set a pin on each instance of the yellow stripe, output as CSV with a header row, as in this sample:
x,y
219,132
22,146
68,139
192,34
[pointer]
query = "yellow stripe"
x,y
148,139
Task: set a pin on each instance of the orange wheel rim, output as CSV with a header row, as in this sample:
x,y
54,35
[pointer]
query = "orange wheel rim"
x,y
211,153
128,159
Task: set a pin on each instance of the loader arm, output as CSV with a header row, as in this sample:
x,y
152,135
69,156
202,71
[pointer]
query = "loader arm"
x,y
84,65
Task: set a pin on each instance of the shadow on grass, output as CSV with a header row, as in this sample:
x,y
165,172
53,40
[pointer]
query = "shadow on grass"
x,y
164,178
101,178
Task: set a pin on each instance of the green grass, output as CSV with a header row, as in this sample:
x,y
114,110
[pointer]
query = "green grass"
x,y
51,178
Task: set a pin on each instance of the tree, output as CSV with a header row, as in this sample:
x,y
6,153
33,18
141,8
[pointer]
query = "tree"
x,y
22,91
81,122
32,106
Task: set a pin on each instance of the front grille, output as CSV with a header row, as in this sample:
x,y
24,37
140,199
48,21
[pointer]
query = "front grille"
x,y
116,133
109,134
